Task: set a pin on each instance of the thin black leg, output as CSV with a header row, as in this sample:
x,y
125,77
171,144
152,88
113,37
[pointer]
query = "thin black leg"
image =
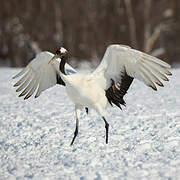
x,y
75,133
78,112
107,129
86,110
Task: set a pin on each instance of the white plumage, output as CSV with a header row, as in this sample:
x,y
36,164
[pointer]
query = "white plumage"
x,y
137,65
39,75
105,86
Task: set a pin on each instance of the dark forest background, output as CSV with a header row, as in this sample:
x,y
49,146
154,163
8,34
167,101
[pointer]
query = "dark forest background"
x,y
87,27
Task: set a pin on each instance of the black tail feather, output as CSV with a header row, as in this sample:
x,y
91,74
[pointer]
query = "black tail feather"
x,y
116,91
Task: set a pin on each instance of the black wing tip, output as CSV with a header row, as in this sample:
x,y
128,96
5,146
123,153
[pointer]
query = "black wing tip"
x,y
15,76
36,96
27,97
160,84
154,88
21,95
15,85
169,73
120,107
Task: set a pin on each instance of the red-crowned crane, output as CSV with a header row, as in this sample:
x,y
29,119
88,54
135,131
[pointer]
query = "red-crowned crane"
x,y
105,86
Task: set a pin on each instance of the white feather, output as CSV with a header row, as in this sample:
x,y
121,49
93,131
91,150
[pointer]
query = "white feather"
x,y
38,74
137,64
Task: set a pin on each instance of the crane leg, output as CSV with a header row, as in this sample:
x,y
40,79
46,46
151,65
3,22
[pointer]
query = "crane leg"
x,y
78,111
86,110
75,133
107,129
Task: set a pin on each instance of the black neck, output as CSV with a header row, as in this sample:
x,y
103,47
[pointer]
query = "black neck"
x,y
62,64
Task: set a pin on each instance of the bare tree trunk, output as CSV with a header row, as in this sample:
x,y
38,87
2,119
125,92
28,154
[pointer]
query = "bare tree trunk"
x,y
132,23
86,27
152,39
147,24
58,34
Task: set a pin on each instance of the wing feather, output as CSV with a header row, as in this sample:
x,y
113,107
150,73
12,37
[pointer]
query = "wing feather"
x,y
25,83
154,59
147,79
27,89
121,64
153,77
136,64
39,87
23,78
38,75
33,88
20,73
157,71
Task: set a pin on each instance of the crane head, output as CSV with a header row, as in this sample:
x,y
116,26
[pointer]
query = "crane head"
x,y
60,52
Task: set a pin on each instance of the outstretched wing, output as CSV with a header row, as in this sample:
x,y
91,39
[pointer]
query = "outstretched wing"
x,y
38,75
121,64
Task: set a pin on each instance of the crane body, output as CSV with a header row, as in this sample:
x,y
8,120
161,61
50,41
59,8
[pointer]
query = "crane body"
x,y
104,87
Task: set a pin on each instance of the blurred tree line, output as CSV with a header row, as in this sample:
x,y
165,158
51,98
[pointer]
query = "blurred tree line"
x,y
87,27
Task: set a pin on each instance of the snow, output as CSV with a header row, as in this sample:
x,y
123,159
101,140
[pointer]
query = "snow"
x,y
144,138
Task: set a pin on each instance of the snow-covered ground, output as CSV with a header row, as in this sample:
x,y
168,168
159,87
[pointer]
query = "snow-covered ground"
x,y
144,138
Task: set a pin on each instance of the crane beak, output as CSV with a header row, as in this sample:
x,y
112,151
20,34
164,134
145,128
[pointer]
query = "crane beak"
x,y
53,58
